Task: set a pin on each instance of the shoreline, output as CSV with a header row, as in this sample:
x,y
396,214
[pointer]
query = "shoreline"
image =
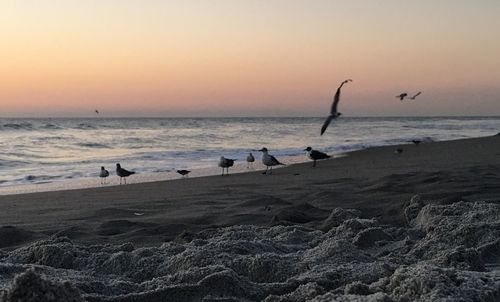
x,y
372,226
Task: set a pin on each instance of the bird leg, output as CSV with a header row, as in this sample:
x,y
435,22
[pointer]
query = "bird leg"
x,y
265,172
314,163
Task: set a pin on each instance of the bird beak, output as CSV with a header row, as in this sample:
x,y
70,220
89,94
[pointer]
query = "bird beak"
x,y
260,150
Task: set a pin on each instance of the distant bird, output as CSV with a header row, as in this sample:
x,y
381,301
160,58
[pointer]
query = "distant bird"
x,y
225,163
402,96
104,173
315,155
97,111
398,151
333,111
417,94
122,173
184,173
269,160
416,142
250,160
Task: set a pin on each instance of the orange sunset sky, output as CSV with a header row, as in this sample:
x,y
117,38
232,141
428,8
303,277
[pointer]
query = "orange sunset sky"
x,y
248,58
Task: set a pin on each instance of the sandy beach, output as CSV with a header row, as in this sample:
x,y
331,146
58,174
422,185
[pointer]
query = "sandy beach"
x,y
355,228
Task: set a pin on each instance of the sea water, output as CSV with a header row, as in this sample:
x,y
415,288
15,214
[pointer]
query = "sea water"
x,y
60,153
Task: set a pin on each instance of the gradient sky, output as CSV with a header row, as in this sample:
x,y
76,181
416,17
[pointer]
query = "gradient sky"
x,y
248,58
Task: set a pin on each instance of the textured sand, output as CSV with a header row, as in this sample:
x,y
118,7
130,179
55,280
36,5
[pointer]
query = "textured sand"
x,y
351,229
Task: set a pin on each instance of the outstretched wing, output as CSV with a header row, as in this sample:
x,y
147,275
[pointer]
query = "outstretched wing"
x,y
326,123
416,95
336,97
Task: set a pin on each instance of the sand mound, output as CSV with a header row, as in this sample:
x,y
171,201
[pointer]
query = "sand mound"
x,y
448,252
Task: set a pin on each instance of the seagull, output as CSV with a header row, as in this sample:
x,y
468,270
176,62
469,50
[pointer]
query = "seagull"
x,y
97,111
250,160
104,173
226,163
333,111
123,173
315,155
402,96
184,173
416,142
269,160
417,94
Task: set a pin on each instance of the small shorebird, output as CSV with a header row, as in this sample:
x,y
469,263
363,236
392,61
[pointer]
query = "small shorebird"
x,y
315,155
417,94
226,163
250,160
402,96
416,142
333,111
122,173
104,173
184,173
269,160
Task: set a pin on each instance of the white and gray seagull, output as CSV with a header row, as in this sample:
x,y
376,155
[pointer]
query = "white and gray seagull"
x,y
269,161
122,173
315,155
225,163
333,111
250,160
104,173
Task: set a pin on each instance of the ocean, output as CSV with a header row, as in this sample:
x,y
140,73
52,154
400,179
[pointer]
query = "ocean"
x,y
66,151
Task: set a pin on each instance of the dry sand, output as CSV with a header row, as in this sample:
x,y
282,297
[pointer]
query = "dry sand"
x,y
350,229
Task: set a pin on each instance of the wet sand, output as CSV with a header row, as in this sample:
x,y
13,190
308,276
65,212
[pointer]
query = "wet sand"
x,y
375,181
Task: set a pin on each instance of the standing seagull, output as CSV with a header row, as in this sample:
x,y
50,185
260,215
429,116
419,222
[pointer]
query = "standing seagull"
x,y
250,160
104,173
417,94
402,96
226,163
333,111
123,173
315,155
269,160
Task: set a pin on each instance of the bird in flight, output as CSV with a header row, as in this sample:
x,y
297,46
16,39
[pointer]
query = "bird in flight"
x,y
97,111
333,111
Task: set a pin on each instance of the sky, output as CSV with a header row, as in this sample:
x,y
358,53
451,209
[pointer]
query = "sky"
x,y
248,58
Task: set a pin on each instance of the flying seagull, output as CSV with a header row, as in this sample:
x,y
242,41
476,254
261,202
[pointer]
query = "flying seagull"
x,y
122,173
269,160
402,96
417,94
184,173
226,163
333,111
250,160
97,111
315,155
104,173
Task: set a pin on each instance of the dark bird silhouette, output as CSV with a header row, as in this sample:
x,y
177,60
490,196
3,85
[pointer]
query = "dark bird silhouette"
x,y
417,94
184,173
416,142
402,96
315,155
250,160
225,163
122,173
333,111
97,111
104,173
